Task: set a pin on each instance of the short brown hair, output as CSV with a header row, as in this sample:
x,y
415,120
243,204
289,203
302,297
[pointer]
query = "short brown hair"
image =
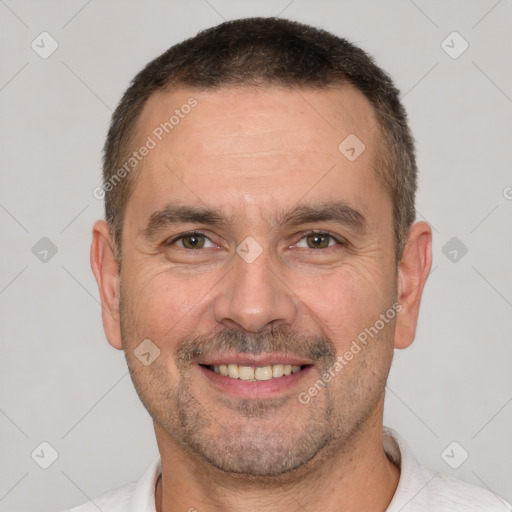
x,y
259,52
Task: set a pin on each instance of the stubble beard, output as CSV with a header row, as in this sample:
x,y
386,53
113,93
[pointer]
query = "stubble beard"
x,y
245,440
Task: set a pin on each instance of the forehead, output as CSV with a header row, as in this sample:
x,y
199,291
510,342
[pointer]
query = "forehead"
x,y
260,147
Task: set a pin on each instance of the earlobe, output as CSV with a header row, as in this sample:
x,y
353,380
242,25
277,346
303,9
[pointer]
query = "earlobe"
x,y
105,268
412,274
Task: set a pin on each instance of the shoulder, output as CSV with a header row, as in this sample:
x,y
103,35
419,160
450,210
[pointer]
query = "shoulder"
x,y
448,493
115,500
135,496
423,490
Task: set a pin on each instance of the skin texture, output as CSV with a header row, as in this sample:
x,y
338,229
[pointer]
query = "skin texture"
x,y
255,155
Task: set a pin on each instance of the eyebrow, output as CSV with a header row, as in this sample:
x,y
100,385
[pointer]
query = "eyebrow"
x,y
176,214
339,212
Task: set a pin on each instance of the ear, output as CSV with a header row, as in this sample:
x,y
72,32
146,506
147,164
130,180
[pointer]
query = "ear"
x,y
412,275
105,269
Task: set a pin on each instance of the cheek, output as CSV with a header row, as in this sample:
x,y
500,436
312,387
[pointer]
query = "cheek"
x,y
161,305
346,301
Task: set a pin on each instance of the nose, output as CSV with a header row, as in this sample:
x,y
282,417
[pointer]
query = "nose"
x,y
253,297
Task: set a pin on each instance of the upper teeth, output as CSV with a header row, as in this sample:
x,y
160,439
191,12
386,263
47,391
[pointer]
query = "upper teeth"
x,y
236,371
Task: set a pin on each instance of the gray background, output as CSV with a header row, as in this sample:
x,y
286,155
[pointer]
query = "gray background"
x,y
60,380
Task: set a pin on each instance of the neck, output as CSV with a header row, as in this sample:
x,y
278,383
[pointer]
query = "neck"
x,y
357,477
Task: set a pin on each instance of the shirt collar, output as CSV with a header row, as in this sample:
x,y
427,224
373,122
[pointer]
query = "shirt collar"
x,y
143,499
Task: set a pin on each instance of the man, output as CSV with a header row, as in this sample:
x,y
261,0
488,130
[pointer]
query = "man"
x,y
258,265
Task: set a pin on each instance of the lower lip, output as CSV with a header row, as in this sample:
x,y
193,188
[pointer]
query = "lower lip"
x,y
255,389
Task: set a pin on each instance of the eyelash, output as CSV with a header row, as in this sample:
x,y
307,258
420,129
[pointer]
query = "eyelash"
x,y
339,241
185,235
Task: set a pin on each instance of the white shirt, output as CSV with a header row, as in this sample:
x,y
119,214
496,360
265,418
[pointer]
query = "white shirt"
x,y
419,489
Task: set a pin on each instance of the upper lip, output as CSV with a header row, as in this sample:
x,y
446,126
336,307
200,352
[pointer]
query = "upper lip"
x,y
246,359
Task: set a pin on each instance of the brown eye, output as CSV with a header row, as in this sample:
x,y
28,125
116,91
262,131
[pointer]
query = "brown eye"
x,y
192,241
318,240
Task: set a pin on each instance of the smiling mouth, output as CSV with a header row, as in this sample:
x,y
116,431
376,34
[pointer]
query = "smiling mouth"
x,y
254,373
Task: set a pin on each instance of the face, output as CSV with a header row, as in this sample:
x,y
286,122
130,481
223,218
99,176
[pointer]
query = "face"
x,y
252,248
